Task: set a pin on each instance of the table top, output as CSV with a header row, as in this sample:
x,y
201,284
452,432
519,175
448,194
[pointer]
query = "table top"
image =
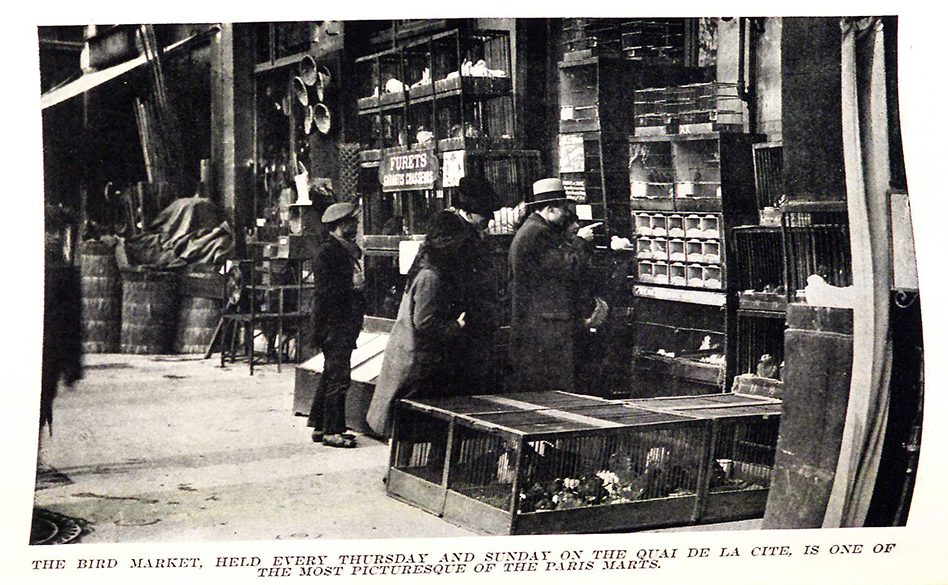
x,y
555,412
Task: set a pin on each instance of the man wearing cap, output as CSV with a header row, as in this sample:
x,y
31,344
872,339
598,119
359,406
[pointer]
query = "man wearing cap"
x,y
338,308
545,263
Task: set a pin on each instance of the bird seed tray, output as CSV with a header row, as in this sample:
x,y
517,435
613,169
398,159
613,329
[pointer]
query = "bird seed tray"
x,y
556,462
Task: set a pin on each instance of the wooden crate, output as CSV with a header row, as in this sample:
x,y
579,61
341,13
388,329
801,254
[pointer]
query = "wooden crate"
x,y
553,462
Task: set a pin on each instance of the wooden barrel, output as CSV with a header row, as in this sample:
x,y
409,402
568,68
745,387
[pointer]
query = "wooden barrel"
x,y
149,311
197,321
101,298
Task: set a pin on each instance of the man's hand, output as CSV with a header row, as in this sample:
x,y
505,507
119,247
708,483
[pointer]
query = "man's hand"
x,y
586,232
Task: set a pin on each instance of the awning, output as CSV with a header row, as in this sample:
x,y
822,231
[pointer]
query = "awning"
x,y
96,78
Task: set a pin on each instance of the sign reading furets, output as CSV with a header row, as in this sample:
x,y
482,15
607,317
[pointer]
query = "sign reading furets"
x,y
408,171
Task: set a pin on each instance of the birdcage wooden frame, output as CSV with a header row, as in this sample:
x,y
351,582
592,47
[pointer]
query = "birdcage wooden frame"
x,y
699,440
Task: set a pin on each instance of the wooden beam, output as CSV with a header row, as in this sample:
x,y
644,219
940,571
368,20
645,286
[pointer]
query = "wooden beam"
x,y
232,125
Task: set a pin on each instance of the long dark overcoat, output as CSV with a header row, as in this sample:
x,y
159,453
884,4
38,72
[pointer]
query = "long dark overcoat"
x,y
477,290
545,267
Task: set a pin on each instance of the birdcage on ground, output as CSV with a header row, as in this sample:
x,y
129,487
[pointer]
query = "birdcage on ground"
x,y
554,462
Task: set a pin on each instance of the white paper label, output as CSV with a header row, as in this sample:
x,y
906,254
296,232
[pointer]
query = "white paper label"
x,y
407,250
452,169
639,188
572,155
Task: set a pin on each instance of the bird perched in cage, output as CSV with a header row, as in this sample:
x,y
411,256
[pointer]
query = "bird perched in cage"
x,y
591,489
767,366
821,294
567,499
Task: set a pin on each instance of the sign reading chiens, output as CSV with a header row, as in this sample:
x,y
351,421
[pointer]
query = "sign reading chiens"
x,y
410,171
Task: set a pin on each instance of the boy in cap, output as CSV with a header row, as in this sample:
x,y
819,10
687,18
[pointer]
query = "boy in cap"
x,y
545,265
338,309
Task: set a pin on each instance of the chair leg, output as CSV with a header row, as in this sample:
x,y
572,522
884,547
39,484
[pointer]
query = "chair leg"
x,y
235,328
217,333
223,334
249,345
279,344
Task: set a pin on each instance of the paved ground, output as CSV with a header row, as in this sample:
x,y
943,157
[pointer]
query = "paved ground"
x,y
171,448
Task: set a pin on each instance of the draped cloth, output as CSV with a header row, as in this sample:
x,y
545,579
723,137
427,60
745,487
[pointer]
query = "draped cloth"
x,y
191,230
866,159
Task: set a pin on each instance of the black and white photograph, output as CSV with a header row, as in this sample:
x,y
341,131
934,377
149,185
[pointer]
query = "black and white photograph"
x,y
376,283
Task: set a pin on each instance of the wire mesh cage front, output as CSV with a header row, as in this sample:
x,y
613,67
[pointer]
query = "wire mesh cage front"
x,y
816,243
760,345
419,445
759,254
768,174
599,470
744,454
483,467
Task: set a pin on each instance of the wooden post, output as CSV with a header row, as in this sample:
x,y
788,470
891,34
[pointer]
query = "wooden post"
x,y
232,124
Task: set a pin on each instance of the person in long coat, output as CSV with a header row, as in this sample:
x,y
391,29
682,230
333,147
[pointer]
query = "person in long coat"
x,y
418,358
474,360
545,267
337,315
62,316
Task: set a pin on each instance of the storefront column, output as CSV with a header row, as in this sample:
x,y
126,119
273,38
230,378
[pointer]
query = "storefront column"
x,y
232,128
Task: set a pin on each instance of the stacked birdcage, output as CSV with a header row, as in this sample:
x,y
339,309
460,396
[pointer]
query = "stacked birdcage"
x,y
552,462
601,34
688,109
651,112
816,243
656,41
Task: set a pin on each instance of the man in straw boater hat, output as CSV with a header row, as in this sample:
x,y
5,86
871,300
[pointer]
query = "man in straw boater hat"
x,y
337,315
545,264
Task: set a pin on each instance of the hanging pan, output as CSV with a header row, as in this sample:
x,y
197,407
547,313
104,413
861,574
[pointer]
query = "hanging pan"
x,y
308,119
308,70
323,79
299,91
322,118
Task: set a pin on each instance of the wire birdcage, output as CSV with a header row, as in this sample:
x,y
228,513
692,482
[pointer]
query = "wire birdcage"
x,y
816,242
768,174
543,462
759,253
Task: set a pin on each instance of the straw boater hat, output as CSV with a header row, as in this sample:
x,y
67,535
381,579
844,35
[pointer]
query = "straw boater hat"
x,y
338,211
546,191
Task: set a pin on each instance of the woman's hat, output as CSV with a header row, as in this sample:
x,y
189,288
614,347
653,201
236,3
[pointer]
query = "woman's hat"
x,y
547,191
447,233
338,211
476,195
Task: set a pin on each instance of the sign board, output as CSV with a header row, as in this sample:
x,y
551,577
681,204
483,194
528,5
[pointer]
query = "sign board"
x,y
415,170
572,155
575,190
453,168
